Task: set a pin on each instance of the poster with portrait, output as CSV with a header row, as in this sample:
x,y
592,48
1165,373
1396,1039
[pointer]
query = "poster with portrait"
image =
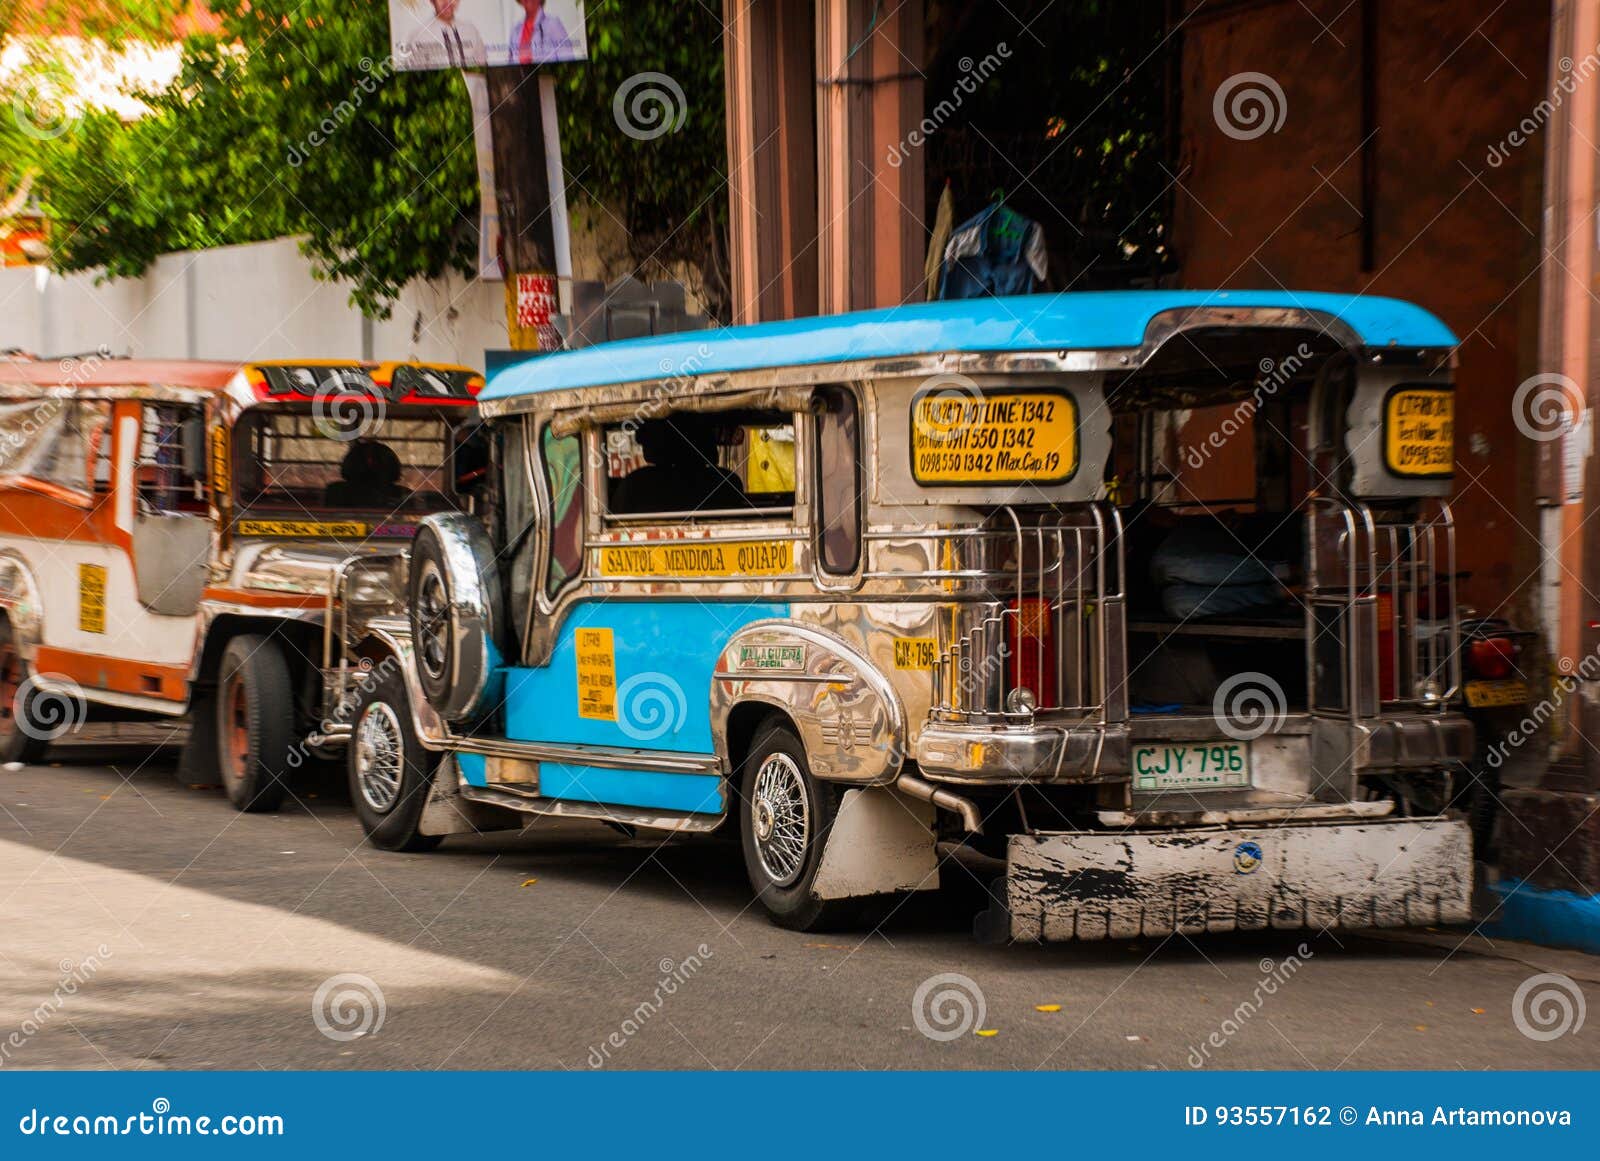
x,y
450,34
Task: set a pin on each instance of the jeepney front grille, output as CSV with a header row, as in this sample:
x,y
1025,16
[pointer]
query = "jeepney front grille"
x,y
1382,603
1041,608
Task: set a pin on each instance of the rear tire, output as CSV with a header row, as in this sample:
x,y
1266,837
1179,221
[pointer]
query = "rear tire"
x,y
255,723
21,738
391,774
785,816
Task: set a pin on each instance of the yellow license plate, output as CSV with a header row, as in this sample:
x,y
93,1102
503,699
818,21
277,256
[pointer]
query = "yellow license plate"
x,y
1489,694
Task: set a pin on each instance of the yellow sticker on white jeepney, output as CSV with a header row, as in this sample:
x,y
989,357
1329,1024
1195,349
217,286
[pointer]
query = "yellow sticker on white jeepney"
x,y
1419,432
92,598
964,436
697,558
597,674
913,653
311,528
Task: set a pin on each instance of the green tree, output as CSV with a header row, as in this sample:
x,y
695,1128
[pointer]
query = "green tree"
x,y
33,95
292,120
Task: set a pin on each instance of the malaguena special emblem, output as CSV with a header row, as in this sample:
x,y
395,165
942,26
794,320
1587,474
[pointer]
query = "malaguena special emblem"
x,y
1246,858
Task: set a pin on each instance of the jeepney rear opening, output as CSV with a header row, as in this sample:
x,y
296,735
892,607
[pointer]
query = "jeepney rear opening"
x,y
1253,620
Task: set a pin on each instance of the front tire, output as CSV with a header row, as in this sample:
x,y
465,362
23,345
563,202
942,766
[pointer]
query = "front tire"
x,y
785,816
255,723
391,774
21,738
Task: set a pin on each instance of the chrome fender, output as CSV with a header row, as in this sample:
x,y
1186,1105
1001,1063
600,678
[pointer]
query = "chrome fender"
x,y
19,597
393,635
849,718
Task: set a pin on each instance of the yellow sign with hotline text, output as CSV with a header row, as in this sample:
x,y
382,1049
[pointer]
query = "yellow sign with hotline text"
x,y
994,437
1419,432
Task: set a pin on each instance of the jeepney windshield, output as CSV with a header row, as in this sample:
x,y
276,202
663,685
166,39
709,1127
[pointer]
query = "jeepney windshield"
x,y
295,462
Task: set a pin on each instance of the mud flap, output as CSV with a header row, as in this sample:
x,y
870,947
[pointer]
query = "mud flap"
x,y
197,761
882,842
1108,885
446,812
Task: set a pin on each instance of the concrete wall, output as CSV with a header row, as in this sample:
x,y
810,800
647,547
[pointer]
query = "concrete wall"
x,y
242,302
1459,236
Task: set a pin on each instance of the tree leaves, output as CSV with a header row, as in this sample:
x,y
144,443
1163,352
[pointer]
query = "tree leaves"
x,y
291,121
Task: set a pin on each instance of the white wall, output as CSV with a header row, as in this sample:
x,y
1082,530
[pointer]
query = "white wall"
x,y
258,301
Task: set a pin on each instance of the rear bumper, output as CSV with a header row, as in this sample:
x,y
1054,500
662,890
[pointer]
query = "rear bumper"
x,y
1119,885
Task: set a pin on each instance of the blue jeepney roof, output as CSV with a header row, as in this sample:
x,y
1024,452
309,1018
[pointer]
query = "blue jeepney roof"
x,y
1098,320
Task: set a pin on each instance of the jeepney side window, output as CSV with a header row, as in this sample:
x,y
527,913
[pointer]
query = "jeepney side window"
x,y
563,478
170,470
838,482
71,444
733,464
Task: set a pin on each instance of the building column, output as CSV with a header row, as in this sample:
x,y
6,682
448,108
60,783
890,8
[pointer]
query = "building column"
x,y
870,221
772,179
1569,477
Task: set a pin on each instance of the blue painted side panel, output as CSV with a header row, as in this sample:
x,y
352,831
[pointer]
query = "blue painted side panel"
x,y
665,654
1553,918
691,793
474,768
1095,320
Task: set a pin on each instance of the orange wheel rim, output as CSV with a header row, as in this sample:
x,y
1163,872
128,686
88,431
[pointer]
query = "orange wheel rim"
x,y
237,729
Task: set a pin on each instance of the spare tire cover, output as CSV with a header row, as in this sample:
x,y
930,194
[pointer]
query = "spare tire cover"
x,y
455,616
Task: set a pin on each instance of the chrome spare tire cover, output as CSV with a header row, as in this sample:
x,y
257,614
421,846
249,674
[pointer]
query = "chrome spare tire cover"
x,y
454,609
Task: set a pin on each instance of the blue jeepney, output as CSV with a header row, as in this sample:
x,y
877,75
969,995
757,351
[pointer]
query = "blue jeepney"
x,y
954,581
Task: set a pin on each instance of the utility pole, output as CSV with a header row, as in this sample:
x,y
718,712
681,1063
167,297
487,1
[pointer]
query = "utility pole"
x,y
531,196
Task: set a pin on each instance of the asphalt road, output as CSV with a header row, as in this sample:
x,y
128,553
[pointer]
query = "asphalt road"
x,y
147,925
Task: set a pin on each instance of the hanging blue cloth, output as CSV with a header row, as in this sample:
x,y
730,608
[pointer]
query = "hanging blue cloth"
x,y
995,253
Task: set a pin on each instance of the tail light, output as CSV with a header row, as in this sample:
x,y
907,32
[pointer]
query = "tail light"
x,y
1491,658
1386,674
1033,651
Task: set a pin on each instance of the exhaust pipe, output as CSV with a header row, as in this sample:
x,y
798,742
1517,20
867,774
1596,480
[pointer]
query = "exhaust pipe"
x,y
911,785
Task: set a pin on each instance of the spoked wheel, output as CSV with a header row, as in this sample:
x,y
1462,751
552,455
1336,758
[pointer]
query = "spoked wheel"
x,y
780,815
255,723
785,816
391,774
19,742
379,761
